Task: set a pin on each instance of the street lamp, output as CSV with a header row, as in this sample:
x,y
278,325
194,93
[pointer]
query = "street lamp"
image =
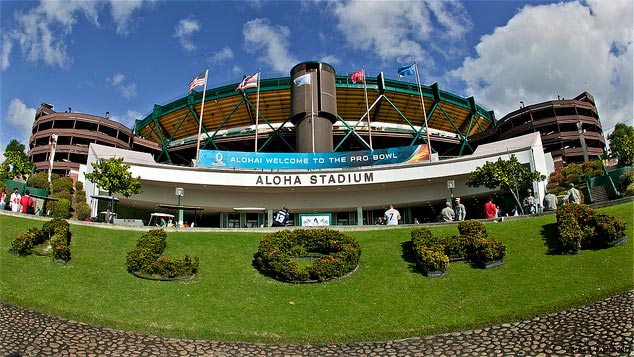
x,y
451,184
180,192
583,141
53,142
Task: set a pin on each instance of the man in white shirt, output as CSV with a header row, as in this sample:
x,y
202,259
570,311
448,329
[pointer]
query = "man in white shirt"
x,y
14,202
392,216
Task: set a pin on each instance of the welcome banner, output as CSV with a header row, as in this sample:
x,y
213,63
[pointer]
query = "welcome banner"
x,y
311,161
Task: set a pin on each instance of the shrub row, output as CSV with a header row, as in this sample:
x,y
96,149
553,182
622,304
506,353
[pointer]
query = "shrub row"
x,y
337,254
581,227
57,230
473,244
146,259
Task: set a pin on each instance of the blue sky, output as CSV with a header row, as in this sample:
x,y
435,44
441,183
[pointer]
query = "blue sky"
x,y
124,56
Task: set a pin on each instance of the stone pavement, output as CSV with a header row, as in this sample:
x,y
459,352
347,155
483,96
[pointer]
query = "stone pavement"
x,y
602,328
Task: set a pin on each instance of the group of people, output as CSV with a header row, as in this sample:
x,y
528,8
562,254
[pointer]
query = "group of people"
x,y
458,211
450,213
17,202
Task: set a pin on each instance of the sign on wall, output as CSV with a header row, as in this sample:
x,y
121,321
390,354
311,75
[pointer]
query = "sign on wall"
x,y
315,220
308,161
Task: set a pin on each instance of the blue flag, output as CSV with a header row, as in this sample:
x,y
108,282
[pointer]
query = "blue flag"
x,y
406,70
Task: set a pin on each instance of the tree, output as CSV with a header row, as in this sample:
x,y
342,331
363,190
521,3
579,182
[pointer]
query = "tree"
x,y
622,144
114,176
509,175
17,163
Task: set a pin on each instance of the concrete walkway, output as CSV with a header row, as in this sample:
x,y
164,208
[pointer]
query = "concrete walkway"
x,y
603,328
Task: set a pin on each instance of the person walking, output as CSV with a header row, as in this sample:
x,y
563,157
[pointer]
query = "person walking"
x,y
573,195
550,202
392,216
529,204
26,203
3,198
14,202
490,209
280,219
460,210
447,213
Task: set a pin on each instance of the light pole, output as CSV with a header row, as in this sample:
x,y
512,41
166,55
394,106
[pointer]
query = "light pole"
x,y
451,184
583,141
180,192
53,143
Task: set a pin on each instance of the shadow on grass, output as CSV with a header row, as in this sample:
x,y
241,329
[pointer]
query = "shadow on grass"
x,y
408,256
549,234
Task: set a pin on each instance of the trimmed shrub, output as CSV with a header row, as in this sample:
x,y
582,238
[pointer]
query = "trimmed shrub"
x,y
145,258
472,228
433,253
24,242
626,183
484,250
82,211
63,184
38,180
581,227
61,208
58,230
337,254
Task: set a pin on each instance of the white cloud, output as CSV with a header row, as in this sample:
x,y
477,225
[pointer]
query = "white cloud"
x,y
400,30
330,59
558,49
127,89
221,56
270,42
122,11
22,118
128,118
184,30
41,32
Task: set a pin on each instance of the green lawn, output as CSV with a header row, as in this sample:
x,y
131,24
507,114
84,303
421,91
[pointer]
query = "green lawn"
x,y
387,298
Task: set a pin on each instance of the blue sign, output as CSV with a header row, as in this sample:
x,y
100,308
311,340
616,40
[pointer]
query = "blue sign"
x,y
314,161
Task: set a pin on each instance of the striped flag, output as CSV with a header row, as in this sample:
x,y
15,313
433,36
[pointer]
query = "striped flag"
x,y
357,76
249,82
198,81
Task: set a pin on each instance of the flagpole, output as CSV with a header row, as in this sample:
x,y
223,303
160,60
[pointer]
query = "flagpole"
x,y
367,108
422,102
312,111
257,111
200,119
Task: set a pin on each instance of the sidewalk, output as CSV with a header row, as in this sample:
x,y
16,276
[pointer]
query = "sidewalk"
x,y
602,328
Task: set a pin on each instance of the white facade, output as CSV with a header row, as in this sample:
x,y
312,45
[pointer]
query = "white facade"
x,y
354,189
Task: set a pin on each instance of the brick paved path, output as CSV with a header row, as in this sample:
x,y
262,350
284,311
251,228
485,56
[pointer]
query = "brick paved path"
x,y
603,328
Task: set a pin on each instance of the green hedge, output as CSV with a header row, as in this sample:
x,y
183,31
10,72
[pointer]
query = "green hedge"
x,y
336,254
473,244
57,230
580,227
145,259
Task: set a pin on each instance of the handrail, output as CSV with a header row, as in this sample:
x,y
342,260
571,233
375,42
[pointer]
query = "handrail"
x,y
616,192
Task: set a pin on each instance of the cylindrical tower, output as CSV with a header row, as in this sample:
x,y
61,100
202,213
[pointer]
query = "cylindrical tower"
x,y
313,106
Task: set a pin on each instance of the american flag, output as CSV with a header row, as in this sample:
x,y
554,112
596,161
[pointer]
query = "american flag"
x,y
198,81
249,82
357,76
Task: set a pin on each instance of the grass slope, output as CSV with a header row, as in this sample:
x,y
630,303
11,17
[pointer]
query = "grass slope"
x,y
387,298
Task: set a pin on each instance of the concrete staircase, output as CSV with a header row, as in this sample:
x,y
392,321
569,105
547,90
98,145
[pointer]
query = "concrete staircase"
x,y
599,194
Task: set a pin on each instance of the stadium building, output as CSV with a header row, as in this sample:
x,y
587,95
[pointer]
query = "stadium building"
x,y
332,148
59,141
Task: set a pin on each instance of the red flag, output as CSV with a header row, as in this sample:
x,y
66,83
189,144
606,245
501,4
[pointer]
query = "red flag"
x,y
357,76
249,82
